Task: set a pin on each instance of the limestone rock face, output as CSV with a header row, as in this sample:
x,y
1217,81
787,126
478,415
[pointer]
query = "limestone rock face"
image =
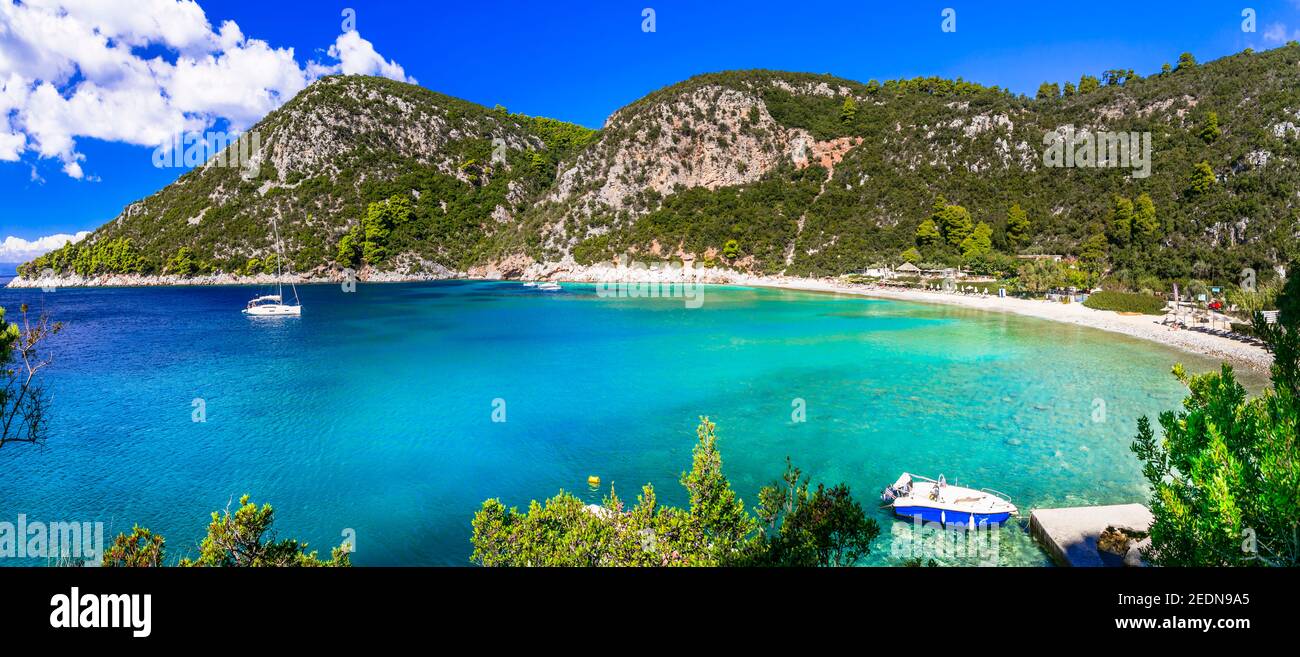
x,y
710,137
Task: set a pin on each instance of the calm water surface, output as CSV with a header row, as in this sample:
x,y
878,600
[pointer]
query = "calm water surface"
x,y
373,411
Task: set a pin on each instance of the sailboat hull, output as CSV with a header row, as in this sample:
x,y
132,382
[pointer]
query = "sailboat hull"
x,y
273,310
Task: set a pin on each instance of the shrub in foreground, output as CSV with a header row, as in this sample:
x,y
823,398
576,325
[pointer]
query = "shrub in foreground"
x,y
796,525
1225,473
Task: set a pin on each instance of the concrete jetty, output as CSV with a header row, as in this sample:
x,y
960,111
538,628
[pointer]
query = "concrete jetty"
x,y
1070,535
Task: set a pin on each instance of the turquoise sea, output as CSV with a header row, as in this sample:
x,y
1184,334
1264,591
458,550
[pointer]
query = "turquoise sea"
x,y
373,412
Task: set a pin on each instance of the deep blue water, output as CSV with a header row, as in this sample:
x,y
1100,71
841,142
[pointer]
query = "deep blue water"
x,y
373,411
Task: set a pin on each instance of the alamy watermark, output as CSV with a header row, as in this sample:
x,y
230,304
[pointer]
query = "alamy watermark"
x,y
1068,148
1248,279
976,546
64,541
74,609
222,149
672,280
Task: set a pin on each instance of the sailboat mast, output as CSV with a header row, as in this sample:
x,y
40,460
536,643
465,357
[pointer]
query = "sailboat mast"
x,y
279,255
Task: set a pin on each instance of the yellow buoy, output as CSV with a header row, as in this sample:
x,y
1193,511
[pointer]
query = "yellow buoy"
x,y
593,480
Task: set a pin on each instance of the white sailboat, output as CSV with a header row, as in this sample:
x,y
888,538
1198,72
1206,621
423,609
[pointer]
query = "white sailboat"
x,y
273,305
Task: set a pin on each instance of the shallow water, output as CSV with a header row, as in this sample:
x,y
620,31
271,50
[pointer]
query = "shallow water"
x,y
373,411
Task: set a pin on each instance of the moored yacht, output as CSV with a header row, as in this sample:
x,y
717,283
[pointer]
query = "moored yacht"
x,y
273,305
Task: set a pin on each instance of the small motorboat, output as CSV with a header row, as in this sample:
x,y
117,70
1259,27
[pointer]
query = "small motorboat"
x,y
549,287
935,500
530,283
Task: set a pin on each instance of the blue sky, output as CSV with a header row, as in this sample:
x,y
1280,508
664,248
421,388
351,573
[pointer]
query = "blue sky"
x,y
580,61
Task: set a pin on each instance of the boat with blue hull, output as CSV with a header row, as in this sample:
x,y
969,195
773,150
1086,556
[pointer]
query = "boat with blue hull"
x,y
935,500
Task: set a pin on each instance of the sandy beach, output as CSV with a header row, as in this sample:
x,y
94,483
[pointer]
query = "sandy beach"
x,y
1146,327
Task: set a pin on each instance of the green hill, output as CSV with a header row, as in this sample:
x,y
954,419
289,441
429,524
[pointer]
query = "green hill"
x,y
758,170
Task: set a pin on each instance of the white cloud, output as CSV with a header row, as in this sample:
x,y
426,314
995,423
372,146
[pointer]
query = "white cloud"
x,y
358,57
17,249
72,69
13,95
1277,33
241,84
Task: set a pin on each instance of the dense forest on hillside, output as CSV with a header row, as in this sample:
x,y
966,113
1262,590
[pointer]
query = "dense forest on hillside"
x,y
764,171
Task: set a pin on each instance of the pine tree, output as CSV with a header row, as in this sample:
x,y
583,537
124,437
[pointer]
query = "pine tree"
x,y
1120,228
1018,226
927,233
141,549
1093,252
182,264
1210,131
349,252
377,224
1202,179
956,225
245,539
978,243
717,514
849,110
1146,226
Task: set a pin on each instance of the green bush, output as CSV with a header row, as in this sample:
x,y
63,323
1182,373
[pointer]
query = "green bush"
x,y
1126,302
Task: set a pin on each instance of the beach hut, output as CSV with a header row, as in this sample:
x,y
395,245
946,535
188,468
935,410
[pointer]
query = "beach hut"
x,y
908,268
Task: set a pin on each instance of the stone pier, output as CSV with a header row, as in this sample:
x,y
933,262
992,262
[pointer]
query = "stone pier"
x,y
1071,535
